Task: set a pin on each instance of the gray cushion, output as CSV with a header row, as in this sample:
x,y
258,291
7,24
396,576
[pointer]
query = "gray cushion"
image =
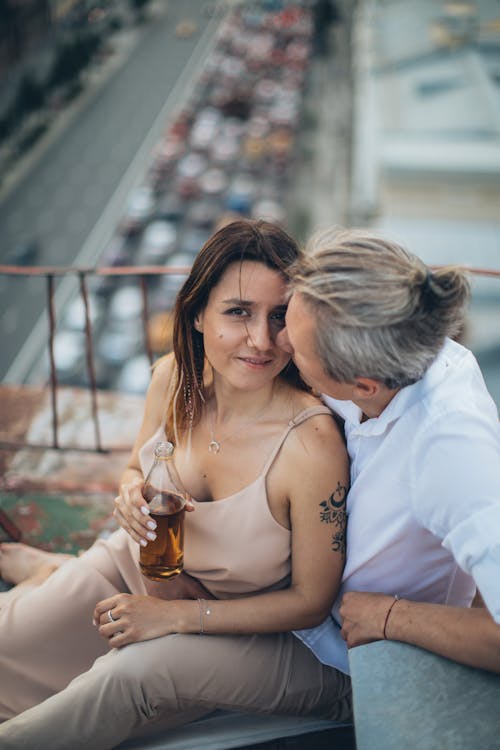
x,y
407,698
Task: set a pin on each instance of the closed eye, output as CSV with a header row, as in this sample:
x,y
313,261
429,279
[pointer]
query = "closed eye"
x,y
278,316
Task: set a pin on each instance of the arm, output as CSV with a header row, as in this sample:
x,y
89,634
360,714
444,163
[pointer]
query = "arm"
x,y
313,471
468,636
456,479
129,501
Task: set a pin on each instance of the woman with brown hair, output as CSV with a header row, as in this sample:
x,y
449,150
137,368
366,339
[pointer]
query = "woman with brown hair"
x,y
261,458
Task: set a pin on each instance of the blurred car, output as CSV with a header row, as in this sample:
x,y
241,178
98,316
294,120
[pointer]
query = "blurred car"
x,y
189,171
254,149
280,143
166,156
270,210
224,149
205,128
135,376
185,29
241,194
170,284
266,90
69,356
192,241
298,52
258,126
126,304
203,213
170,208
139,209
118,252
232,67
120,341
213,182
25,253
158,240
74,314
117,345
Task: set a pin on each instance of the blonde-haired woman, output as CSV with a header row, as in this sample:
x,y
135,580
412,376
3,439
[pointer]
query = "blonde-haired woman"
x,y
370,326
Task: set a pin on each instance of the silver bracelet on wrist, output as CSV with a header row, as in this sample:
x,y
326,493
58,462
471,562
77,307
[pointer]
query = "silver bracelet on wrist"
x,y
204,611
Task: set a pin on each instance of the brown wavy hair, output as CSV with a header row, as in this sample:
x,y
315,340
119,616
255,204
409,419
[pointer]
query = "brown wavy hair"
x,y
260,241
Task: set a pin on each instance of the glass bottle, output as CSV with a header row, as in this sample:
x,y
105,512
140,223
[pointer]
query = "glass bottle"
x,y
163,558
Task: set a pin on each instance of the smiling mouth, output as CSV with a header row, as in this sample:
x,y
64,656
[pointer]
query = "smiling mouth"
x,y
254,361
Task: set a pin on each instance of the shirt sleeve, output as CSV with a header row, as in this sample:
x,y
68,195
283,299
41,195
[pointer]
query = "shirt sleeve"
x,y
456,495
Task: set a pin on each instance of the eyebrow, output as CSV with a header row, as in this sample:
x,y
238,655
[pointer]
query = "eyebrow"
x,y
237,301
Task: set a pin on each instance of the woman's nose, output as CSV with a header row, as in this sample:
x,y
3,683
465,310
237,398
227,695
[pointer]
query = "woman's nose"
x,y
260,335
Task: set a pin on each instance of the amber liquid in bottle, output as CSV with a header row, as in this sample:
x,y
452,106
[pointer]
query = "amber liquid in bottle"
x,y
163,558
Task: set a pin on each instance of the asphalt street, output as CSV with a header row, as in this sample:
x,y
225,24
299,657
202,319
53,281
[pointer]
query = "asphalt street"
x,y
73,196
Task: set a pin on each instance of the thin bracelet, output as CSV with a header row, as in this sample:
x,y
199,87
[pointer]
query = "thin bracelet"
x,y
203,610
396,599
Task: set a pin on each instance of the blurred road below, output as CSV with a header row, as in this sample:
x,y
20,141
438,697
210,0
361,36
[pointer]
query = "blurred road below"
x,y
73,194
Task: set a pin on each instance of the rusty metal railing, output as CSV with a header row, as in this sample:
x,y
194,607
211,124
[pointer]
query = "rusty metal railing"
x,y
142,272
51,274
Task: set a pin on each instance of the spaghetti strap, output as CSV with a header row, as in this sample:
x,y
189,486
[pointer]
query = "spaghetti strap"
x,y
311,411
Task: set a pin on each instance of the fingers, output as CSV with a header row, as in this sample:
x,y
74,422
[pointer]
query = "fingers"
x,y
132,513
109,617
105,605
140,532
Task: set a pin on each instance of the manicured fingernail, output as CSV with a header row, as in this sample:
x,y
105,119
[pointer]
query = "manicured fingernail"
x,y
151,535
145,510
94,622
151,525
143,542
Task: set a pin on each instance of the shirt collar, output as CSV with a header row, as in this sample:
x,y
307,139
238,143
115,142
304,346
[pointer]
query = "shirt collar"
x,y
402,401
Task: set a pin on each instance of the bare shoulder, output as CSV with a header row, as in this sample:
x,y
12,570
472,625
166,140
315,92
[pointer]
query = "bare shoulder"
x,y
313,462
164,367
317,443
319,426
163,370
318,435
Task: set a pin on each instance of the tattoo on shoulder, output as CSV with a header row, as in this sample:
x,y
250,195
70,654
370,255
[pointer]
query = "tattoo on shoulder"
x,y
333,511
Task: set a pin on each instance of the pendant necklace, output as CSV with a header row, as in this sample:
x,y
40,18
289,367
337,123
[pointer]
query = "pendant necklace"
x,y
214,444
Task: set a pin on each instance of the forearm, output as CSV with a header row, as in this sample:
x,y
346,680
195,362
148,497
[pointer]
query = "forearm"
x,y
273,612
468,636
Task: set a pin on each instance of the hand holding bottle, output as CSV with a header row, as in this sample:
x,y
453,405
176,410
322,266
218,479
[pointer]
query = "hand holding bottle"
x,y
132,512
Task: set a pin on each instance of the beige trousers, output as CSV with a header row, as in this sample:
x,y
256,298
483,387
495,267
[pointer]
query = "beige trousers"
x,y
67,690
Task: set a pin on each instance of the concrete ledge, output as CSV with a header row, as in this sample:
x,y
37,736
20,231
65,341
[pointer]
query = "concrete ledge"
x,y
405,697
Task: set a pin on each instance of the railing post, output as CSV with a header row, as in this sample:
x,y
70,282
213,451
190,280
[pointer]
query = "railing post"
x,y
53,371
90,361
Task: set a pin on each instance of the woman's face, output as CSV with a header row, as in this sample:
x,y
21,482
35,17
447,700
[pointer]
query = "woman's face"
x,y
244,313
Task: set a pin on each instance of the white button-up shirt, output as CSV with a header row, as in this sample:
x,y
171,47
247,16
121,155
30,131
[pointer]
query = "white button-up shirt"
x,y
424,504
